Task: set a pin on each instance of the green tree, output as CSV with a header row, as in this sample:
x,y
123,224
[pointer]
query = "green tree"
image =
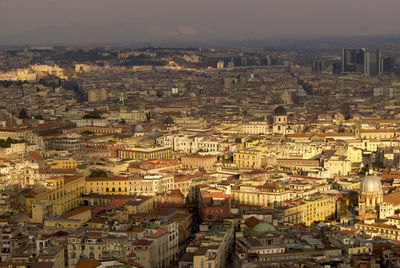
x,y
148,116
92,115
23,114
346,110
98,173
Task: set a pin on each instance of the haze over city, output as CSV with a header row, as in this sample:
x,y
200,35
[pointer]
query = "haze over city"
x,y
105,21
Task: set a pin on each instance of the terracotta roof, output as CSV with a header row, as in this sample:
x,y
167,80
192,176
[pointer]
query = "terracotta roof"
x,y
57,170
177,193
68,179
35,156
393,198
87,263
95,234
107,179
252,222
377,130
43,265
200,156
60,234
142,242
216,195
97,220
136,229
160,232
76,212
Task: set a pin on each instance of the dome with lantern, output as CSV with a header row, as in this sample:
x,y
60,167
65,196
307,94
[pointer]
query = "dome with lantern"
x,y
371,184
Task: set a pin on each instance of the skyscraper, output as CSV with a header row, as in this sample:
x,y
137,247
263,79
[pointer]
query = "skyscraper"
x,y
368,62
349,58
372,62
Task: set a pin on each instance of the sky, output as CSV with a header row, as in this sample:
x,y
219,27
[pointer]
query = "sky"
x,y
101,21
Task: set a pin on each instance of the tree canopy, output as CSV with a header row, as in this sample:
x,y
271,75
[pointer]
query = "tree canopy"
x,y
98,173
23,114
7,143
93,115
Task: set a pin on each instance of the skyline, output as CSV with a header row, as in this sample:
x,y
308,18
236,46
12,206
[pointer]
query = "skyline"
x,y
42,22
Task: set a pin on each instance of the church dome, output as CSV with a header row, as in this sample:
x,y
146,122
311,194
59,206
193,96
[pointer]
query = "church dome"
x,y
280,110
138,129
169,121
264,228
371,183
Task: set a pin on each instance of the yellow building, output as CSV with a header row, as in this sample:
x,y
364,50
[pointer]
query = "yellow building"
x,y
192,123
319,208
70,220
63,193
95,130
338,165
108,185
145,153
248,158
95,95
377,134
61,163
147,185
214,248
199,161
354,154
62,223
132,116
263,195
52,254
141,204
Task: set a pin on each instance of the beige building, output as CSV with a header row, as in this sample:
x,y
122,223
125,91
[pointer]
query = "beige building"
x,y
248,158
96,95
62,194
318,208
146,185
199,161
264,195
338,165
191,123
145,153
90,245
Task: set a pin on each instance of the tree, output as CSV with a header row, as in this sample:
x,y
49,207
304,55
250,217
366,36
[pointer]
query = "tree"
x,y
346,110
7,143
364,170
98,173
92,115
23,114
122,122
148,116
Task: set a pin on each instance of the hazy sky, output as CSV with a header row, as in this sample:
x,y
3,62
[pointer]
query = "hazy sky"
x,y
41,21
